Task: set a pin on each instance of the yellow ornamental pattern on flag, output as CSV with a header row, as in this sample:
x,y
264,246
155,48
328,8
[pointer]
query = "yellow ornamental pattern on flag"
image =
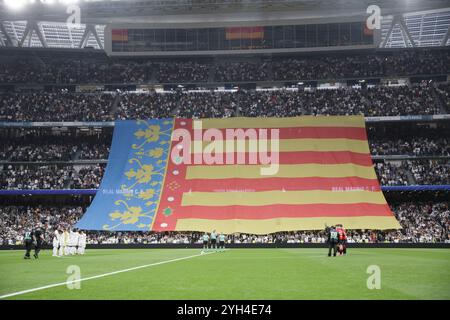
x,y
139,197
130,215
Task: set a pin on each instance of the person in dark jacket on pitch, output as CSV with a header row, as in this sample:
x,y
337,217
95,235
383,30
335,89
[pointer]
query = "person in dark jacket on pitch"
x,y
28,240
333,239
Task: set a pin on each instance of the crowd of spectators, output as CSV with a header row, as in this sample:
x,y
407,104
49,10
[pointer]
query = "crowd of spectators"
x,y
422,62
271,103
50,175
343,101
67,148
52,152
202,104
73,70
421,222
421,172
32,178
124,71
430,171
16,220
33,146
392,101
169,72
206,104
329,68
102,69
390,174
241,71
443,90
18,177
369,65
24,70
31,152
374,101
93,151
146,105
62,106
88,177
413,146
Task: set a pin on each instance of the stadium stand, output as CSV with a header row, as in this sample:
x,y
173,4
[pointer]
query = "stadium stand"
x,y
224,150
421,222
102,69
375,101
37,158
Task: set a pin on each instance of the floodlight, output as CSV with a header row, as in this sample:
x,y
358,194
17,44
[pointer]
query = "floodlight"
x,y
15,4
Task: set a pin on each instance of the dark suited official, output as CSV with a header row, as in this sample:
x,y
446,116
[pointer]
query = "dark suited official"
x,y
333,239
38,235
34,238
28,241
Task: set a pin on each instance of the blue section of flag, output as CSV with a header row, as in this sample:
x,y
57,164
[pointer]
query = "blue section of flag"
x,y
129,192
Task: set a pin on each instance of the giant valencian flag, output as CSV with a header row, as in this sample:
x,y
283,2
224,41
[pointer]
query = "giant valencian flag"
x,y
325,175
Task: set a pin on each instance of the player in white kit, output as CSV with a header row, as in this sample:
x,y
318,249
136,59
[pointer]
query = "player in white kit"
x,y
56,237
81,243
76,239
64,239
72,243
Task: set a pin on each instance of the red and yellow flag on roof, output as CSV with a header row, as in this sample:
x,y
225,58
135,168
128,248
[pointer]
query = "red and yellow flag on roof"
x,y
119,35
237,33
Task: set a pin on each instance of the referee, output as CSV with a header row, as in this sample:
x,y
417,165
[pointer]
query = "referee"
x,y
332,240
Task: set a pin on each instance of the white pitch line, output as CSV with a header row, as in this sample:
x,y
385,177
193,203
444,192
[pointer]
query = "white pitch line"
x,y
99,276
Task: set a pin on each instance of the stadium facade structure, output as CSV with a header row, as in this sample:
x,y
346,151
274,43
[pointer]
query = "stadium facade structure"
x,y
424,24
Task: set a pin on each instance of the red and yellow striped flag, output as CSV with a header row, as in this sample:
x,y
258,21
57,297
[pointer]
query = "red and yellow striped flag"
x,y
325,175
119,35
236,33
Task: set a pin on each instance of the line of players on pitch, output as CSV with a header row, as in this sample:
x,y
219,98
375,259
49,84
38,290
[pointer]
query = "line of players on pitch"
x,y
68,242
337,240
212,241
71,242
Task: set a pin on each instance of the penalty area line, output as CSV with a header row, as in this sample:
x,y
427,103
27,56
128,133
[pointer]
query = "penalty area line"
x,y
100,275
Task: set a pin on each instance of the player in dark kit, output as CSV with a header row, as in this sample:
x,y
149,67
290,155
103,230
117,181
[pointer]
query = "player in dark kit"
x,y
333,239
213,240
342,239
28,240
38,241
222,241
205,242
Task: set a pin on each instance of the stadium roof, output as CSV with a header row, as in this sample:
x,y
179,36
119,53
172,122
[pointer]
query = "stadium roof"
x,y
41,23
107,11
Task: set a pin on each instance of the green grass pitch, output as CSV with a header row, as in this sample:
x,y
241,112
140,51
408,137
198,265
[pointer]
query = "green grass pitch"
x,y
233,274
